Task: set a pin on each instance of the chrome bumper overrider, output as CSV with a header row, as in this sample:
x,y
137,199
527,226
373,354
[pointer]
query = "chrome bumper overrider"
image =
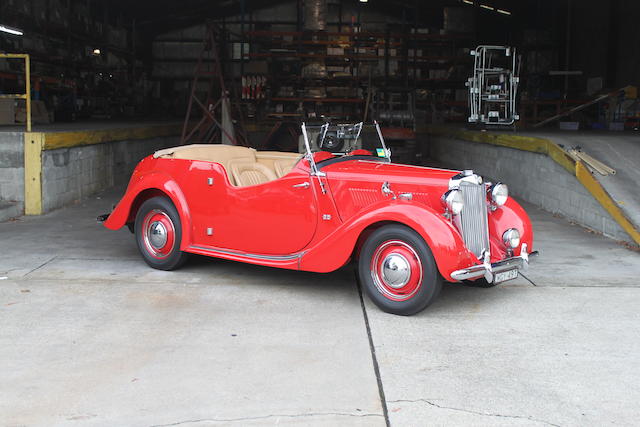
x,y
487,269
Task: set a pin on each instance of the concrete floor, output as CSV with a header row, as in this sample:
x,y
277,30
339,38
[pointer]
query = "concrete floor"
x,y
89,335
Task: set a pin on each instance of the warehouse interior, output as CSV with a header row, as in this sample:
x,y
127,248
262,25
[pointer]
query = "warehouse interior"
x,y
95,60
539,94
262,68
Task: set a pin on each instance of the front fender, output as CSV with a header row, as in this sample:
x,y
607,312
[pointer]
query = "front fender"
x,y
142,183
510,215
443,239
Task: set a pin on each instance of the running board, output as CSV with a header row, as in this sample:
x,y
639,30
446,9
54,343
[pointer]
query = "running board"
x,y
281,261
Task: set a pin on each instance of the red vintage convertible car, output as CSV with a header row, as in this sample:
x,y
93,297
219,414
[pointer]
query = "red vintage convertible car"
x,y
407,227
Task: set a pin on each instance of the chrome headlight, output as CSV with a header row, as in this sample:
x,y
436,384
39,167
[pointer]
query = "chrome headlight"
x,y
452,199
499,193
511,238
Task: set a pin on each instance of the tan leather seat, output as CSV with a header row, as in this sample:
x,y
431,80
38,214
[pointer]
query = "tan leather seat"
x,y
283,167
218,153
250,173
278,161
253,167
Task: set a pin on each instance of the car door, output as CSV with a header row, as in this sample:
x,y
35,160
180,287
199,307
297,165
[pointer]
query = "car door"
x,y
275,218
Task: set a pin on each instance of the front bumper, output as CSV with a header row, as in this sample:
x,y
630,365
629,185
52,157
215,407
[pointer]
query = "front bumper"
x,y
487,269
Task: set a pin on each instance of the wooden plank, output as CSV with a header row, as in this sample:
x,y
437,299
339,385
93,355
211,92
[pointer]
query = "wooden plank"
x,y
561,157
33,146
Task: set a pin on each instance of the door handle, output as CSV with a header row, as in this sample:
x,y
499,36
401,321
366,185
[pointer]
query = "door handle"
x,y
302,185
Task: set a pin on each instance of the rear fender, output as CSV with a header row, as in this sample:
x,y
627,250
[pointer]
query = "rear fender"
x,y
443,239
146,186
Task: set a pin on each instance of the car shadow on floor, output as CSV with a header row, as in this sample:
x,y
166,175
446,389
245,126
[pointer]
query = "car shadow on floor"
x,y
453,297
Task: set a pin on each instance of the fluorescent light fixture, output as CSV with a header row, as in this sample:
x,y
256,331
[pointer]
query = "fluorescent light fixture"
x,y
96,51
467,1
10,30
504,12
486,6
363,1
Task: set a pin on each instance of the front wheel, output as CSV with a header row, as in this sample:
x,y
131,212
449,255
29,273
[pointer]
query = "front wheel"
x,y
397,270
158,234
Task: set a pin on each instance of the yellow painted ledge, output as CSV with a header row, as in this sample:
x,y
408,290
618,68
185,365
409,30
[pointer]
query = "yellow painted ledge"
x,y
555,152
591,183
55,140
36,142
33,143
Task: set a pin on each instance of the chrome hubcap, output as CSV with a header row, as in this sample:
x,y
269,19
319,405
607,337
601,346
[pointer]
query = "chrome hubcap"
x,y
396,270
157,234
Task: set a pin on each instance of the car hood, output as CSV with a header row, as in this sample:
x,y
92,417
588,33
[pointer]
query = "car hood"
x,y
389,172
357,184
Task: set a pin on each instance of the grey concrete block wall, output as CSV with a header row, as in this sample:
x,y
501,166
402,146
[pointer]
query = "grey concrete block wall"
x,y
533,177
12,169
71,174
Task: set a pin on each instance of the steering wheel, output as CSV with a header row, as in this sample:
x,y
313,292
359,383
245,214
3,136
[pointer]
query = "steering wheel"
x,y
331,142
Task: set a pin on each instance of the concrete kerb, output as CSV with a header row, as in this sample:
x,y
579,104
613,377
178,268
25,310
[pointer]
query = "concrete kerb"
x,y
558,155
38,146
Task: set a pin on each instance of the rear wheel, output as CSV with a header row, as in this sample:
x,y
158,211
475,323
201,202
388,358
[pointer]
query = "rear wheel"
x,y
397,270
159,233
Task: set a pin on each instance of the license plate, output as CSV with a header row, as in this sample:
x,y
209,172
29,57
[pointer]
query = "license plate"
x,y
505,275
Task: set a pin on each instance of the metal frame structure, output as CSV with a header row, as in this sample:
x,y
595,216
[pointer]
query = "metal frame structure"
x,y
493,86
216,107
27,82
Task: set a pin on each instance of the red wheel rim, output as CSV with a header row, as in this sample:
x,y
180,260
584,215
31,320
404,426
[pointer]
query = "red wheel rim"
x,y
396,270
158,234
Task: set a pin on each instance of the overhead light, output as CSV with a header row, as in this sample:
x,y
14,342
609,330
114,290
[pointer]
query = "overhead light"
x,y
96,51
363,1
10,30
488,7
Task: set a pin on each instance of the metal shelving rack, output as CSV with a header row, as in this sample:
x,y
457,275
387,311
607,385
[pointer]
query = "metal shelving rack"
x,y
400,56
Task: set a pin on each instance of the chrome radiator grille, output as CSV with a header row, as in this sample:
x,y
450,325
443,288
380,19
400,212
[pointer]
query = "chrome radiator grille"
x,y
473,218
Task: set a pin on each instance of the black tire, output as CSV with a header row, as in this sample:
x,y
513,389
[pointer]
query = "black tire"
x,y
160,214
382,248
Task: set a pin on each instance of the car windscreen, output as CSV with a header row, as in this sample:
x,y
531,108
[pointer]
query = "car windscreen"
x,y
345,139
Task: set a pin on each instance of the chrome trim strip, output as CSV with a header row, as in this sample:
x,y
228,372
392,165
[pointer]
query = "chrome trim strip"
x,y
476,271
254,256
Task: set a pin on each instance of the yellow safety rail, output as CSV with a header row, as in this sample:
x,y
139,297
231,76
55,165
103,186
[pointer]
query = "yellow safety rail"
x,y
27,71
